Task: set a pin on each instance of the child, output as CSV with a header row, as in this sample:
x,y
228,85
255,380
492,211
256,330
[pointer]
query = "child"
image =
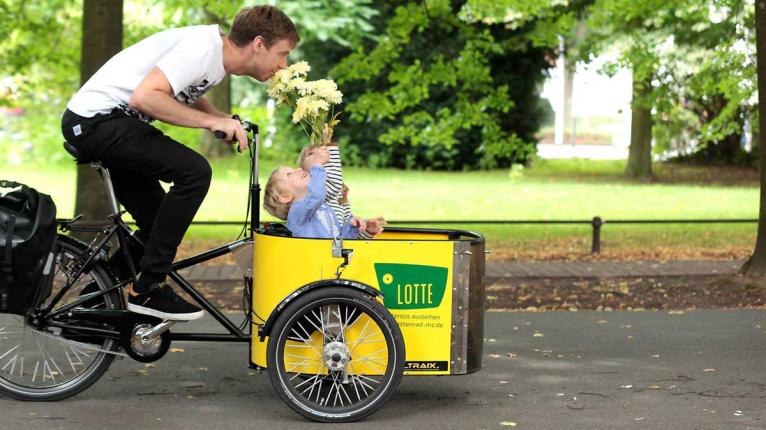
x,y
337,191
299,197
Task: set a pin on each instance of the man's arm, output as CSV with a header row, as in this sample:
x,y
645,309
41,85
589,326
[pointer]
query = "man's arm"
x,y
206,106
153,96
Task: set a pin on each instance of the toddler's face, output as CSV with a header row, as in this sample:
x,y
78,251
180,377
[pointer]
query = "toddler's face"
x,y
294,182
315,155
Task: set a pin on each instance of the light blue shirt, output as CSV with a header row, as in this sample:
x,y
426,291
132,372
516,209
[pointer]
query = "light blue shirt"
x,y
312,217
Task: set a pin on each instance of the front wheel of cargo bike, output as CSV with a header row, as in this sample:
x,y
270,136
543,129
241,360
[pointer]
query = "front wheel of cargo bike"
x,y
335,355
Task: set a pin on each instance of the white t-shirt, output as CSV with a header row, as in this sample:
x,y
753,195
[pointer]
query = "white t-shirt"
x,y
191,58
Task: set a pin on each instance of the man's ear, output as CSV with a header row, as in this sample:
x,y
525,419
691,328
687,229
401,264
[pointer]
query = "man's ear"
x,y
258,43
285,198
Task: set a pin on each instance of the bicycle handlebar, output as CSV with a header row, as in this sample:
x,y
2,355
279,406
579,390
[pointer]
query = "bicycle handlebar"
x,y
247,125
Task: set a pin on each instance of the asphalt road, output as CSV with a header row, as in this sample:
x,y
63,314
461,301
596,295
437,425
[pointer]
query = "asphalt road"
x,y
562,370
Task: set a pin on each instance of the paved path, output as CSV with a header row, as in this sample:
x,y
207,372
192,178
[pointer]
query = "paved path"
x,y
545,269
551,370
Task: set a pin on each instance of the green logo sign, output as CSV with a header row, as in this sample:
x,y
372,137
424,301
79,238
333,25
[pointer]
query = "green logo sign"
x,y
411,286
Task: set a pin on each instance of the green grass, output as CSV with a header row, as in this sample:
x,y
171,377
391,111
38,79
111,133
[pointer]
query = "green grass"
x,y
550,190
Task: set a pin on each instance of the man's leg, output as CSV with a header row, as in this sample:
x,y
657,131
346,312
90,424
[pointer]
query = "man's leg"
x,y
147,155
142,198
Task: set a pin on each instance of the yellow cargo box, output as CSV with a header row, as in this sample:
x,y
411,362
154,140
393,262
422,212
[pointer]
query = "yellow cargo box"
x,y
431,281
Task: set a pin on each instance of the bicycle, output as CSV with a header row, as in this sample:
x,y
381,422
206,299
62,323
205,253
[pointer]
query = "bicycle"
x,y
333,350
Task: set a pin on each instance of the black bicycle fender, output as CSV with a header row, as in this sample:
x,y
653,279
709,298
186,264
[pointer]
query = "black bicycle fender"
x,y
265,329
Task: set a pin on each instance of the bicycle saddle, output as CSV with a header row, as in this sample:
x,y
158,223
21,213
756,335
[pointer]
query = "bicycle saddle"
x,y
74,152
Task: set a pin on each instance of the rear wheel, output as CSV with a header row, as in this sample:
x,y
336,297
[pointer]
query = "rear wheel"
x,y
40,365
335,355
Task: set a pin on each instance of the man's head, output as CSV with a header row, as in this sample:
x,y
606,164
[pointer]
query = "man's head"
x,y
268,36
285,186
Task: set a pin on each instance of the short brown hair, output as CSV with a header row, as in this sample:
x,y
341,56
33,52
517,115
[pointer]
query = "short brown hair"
x,y
271,197
266,21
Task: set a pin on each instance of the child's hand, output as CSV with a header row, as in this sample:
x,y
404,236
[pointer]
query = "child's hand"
x,y
375,225
343,195
326,135
318,156
359,223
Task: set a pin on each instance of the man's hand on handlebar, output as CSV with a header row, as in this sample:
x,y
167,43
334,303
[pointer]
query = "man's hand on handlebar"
x,y
230,130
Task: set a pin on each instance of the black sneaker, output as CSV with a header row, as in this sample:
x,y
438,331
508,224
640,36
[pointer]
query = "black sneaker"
x,y
162,302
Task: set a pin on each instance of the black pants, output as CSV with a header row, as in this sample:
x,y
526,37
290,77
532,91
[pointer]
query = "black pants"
x,y
138,157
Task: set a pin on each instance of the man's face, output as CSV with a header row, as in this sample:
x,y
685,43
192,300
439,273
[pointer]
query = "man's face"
x,y
293,183
267,61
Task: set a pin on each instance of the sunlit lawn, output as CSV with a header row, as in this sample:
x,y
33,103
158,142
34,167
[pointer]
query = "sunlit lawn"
x,y
550,190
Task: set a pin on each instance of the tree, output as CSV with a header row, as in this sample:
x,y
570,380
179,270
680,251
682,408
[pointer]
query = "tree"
x,y
756,265
220,97
692,77
448,85
635,28
101,39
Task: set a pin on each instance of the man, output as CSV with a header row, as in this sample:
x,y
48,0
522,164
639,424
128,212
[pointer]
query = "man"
x,y
163,77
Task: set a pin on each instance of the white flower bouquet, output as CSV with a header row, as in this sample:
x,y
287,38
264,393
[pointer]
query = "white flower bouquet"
x,y
313,102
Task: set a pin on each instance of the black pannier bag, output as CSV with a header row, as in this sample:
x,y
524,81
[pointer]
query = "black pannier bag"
x,y
27,238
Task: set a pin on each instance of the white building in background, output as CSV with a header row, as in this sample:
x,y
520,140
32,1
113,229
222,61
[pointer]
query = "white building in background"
x,y
599,124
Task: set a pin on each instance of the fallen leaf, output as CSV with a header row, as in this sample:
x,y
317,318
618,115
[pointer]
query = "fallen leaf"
x,y
708,370
508,424
656,356
494,355
601,321
202,369
538,334
177,350
149,365
626,386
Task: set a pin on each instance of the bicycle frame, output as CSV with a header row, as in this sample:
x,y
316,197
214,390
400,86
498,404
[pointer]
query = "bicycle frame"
x,y
126,239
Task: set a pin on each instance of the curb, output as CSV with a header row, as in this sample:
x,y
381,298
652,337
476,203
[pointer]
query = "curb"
x,y
540,269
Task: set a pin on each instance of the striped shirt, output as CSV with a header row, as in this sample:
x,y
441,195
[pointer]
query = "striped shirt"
x,y
334,169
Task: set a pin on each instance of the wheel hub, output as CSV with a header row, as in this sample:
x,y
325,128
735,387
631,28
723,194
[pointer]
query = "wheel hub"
x,y
139,346
336,355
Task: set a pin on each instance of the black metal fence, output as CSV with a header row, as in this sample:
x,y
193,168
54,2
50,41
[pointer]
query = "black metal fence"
x,y
596,224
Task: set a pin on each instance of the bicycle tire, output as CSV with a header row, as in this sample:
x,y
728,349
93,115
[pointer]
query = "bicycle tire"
x,y
82,364
362,384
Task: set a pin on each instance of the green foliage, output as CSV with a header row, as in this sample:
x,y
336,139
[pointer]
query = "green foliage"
x,y
39,50
700,59
444,105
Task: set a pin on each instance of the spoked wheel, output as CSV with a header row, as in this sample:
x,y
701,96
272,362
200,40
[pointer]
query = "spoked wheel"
x,y
52,364
335,355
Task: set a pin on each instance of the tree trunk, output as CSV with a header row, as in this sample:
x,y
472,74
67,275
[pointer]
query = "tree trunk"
x,y
570,67
101,39
220,97
640,152
756,265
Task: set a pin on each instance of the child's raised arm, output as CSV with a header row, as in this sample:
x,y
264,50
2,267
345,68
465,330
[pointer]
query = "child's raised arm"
x,y
334,175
